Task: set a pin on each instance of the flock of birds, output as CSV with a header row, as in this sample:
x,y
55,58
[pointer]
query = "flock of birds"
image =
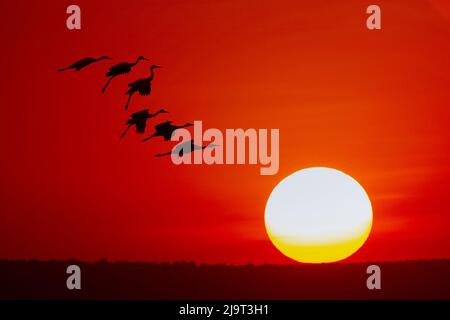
x,y
139,119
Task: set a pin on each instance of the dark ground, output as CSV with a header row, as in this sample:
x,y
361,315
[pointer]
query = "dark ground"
x,y
133,280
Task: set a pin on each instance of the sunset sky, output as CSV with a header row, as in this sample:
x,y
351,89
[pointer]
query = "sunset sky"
x,y
373,104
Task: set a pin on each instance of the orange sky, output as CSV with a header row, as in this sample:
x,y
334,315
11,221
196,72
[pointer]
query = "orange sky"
x,y
373,104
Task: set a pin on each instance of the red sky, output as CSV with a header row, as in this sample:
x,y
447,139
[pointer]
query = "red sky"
x,y
373,104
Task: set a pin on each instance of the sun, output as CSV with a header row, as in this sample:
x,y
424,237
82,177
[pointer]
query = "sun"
x,y
318,215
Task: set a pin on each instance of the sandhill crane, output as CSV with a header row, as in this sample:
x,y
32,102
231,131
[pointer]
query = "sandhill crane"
x,y
77,66
139,119
120,69
187,147
141,86
165,130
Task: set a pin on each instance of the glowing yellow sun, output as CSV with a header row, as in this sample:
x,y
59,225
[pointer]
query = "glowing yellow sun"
x,y
318,215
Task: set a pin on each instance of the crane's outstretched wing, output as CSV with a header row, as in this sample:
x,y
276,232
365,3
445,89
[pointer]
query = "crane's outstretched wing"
x,y
184,147
142,86
163,125
168,134
180,149
135,84
140,114
140,126
82,62
145,90
119,69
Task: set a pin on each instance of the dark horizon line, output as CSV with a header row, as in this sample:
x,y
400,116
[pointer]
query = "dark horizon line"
x,y
190,262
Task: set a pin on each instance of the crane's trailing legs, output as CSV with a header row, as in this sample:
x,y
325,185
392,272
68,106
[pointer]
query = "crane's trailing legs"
x,y
130,95
107,83
125,132
148,138
163,154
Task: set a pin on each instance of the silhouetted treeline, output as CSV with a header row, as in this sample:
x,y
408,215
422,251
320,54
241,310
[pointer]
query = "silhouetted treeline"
x,y
184,280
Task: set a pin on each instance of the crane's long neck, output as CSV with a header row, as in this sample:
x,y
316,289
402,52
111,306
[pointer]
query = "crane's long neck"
x,y
152,74
135,63
196,147
209,146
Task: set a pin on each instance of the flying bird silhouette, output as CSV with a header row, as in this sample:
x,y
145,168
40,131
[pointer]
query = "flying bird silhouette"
x,y
188,147
141,86
139,119
165,130
83,63
120,69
